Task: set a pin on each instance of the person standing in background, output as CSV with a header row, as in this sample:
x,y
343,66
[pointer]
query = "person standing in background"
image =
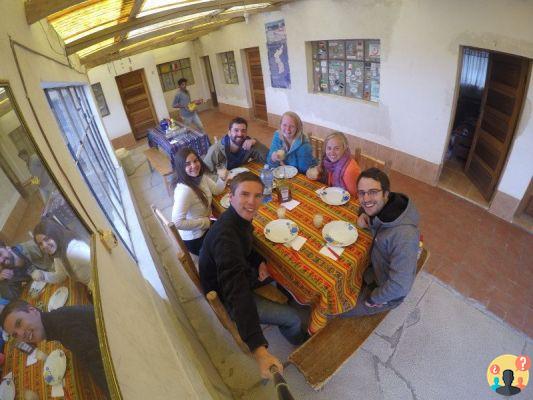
x,y
182,101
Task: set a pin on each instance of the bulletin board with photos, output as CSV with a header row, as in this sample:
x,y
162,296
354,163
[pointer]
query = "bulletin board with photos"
x,y
348,68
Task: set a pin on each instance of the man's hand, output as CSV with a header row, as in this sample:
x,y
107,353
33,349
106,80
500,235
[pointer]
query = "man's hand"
x,y
263,272
363,221
6,274
248,144
265,360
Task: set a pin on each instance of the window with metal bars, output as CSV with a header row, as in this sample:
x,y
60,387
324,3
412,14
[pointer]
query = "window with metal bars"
x,y
84,140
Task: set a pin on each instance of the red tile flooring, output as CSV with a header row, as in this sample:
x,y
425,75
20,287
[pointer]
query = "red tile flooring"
x,y
478,254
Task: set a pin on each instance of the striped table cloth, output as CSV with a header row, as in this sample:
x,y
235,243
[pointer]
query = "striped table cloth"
x,y
78,382
330,287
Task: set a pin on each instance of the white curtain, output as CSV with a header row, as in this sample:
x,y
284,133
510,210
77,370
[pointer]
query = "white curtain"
x,y
474,71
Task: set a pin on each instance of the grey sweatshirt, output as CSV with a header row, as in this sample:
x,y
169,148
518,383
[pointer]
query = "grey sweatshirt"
x,y
394,252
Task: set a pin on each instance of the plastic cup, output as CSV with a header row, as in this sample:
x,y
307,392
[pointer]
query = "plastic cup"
x,y
318,220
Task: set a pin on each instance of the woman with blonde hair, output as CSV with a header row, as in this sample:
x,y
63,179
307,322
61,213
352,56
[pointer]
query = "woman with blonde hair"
x,y
338,167
290,146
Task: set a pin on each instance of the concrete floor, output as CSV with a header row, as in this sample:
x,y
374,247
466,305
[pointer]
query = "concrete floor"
x,y
437,345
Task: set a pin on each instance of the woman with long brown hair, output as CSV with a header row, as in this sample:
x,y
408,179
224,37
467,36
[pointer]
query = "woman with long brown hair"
x,y
72,256
192,198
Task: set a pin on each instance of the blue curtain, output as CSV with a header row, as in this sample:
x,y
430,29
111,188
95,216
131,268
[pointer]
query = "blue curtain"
x,y
474,71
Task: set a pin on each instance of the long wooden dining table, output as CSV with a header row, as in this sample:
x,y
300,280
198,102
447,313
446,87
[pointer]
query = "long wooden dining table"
x,y
78,383
330,287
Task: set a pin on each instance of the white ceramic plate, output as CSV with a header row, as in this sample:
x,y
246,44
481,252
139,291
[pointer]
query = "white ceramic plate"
x,y
236,171
224,201
54,367
334,196
58,299
339,233
7,390
36,288
281,230
285,171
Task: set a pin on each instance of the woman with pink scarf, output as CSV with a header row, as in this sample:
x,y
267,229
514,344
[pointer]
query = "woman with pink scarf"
x,y
338,168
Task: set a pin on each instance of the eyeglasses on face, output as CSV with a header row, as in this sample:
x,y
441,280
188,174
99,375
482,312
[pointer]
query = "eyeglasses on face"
x,y
371,192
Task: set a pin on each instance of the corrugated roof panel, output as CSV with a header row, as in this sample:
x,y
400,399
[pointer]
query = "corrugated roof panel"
x,y
154,6
90,17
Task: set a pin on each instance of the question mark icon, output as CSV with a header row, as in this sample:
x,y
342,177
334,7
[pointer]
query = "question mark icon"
x,y
495,369
523,363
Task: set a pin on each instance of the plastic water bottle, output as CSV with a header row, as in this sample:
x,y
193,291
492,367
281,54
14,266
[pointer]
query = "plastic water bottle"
x,y
268,178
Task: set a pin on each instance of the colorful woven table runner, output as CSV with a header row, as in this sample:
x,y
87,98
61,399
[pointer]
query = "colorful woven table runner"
x,y
78,384
330,287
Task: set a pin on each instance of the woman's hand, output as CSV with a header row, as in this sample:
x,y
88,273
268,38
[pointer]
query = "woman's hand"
x,y
37,275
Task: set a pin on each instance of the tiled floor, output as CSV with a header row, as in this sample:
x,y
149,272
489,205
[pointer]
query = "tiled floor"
x,y
480,255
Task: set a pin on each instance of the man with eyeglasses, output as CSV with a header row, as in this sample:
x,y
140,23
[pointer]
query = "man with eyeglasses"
x,y
393,220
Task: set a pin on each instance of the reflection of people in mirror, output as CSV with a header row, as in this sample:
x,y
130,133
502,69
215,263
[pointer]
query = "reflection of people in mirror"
x,y
74,327
39,174
17,263
72,256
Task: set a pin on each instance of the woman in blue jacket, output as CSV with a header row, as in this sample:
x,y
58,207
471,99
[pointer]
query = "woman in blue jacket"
x,y
290,146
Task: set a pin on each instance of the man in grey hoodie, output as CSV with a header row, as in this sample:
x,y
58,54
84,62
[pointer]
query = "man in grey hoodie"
x,y
393,220
235,148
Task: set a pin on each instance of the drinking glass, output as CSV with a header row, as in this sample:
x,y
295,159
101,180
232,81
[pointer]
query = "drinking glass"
x,y
318,220
281,212
222,171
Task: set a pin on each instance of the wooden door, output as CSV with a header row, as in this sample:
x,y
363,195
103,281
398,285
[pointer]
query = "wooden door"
x,y
257,85
500,109
210,81
137,102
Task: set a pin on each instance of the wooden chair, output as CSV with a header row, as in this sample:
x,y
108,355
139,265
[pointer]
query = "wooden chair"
x,y
189,267
317,145
161,163
366,161
321,356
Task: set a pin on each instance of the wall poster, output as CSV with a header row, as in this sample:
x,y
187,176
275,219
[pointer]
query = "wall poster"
x,y
100,99
278,57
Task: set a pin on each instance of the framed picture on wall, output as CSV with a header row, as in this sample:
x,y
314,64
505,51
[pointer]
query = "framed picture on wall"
x,y
100,99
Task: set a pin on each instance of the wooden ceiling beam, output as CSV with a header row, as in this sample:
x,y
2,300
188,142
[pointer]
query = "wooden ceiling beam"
x,y
91,63
151,19
135,9
39,9
166,41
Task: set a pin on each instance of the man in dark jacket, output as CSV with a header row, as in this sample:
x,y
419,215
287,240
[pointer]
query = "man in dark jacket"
x,y
393,220
231,267
16,265
74,327
235,148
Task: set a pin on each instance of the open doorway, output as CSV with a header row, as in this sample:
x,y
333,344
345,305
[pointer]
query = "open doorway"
x,y
491,92
210,81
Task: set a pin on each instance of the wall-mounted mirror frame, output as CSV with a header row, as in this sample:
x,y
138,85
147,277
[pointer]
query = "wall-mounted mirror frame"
x,y
6,103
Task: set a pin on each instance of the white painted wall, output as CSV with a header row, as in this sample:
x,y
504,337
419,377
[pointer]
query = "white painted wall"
x,y
116,123
420,53
8,198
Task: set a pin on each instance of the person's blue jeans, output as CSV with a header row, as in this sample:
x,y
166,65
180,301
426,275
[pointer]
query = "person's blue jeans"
x,y
195,119
288,319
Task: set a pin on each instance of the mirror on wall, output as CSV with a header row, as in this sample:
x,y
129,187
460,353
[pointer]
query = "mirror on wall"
x,y
50,346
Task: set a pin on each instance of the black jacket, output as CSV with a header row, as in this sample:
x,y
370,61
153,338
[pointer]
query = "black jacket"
x,y
75,328
229,266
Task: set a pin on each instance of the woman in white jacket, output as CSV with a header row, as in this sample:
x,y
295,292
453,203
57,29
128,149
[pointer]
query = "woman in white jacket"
x,y
72,256
192,198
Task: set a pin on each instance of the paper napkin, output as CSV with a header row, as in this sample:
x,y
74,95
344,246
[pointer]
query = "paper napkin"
x,y
289,205
325,252
32,358
296,243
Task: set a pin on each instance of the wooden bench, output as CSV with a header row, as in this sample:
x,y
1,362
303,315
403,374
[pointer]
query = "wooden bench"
x,y
161,163
326,351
